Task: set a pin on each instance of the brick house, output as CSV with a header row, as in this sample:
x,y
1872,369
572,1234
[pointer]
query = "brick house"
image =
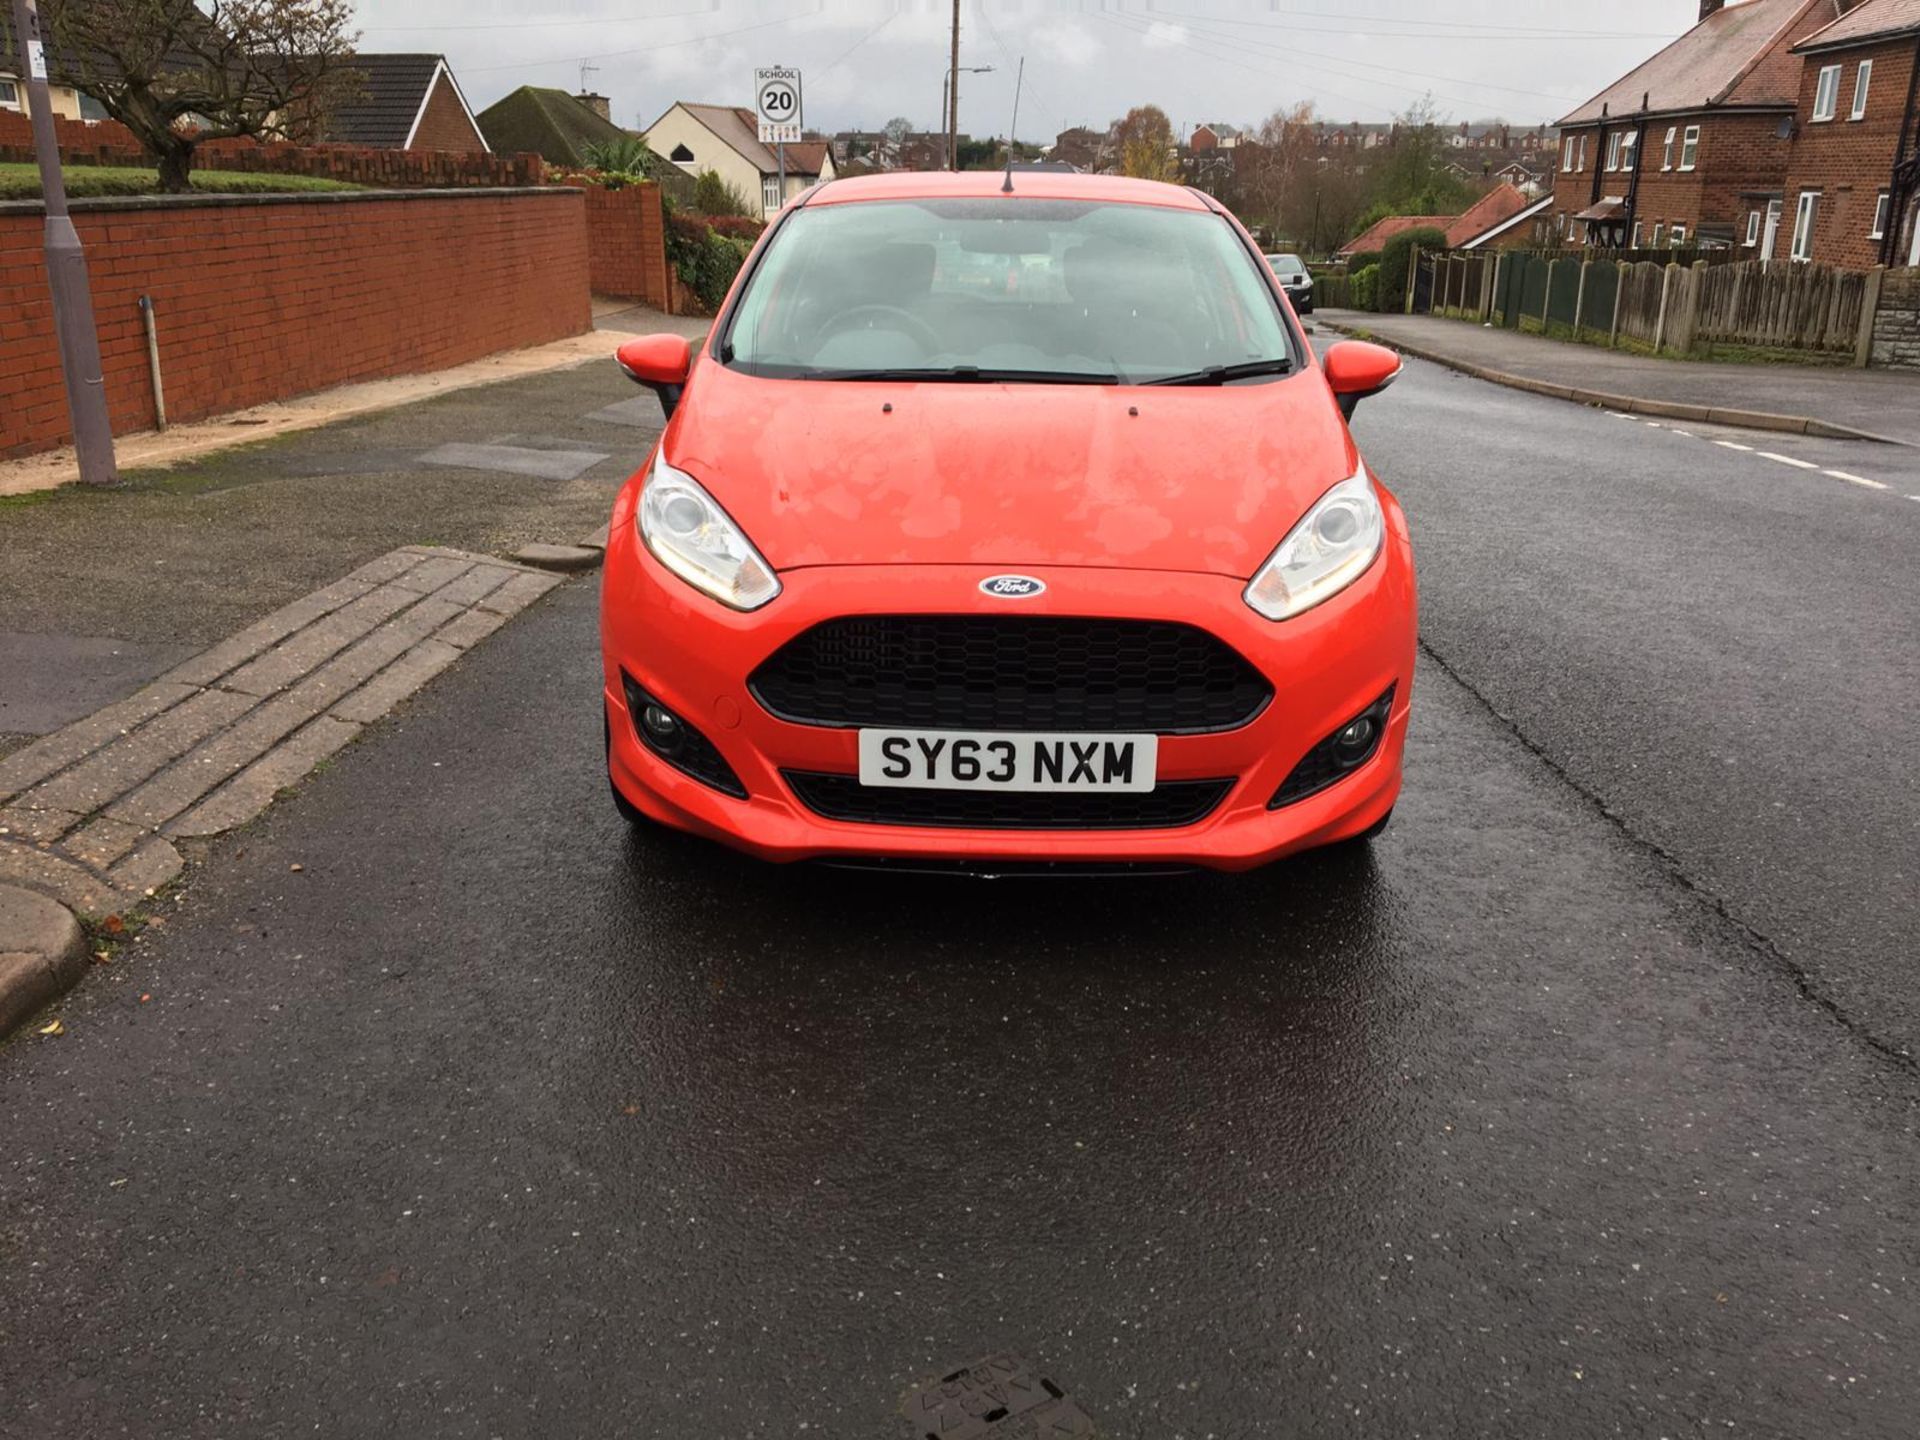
x,y
1853,184
726,140
1684,148
405,102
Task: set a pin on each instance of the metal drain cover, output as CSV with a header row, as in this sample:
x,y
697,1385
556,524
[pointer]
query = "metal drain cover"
x,y
998,1398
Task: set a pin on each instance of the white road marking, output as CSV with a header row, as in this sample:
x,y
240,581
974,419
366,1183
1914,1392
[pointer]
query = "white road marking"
x,y
1733,445
1652,424
1620,415
1787,460
1676,430
1855,479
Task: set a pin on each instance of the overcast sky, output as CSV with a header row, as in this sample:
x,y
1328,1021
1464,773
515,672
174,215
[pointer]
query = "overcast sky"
x,y
866,60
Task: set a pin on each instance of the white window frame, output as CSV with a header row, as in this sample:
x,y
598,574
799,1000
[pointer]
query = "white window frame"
x,y
1806,216
1666,151
1753,228
1566,156
1689,147
770,197
1826,93
1862,81
1677,236
10,98
1878,230
1629,147
1613,151
1634,239
1581,161
1659,232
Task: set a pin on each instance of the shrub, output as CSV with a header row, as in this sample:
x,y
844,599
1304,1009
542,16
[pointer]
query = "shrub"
x,y
1362,286
714,196
1360,259
705,259
1390,292
620,162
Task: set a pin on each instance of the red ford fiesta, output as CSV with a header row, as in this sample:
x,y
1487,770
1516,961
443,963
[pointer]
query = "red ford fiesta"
x,y
1008,519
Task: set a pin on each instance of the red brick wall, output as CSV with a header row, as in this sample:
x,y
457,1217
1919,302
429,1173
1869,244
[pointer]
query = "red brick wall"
x,y
263,299
626,244
109,143
445,125
1848,161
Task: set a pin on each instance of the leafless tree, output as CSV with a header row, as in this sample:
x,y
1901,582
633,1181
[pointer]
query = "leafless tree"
x,y
176,74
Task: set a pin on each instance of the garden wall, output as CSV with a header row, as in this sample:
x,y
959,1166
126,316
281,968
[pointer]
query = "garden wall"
x,y
106,142
263,297
627,245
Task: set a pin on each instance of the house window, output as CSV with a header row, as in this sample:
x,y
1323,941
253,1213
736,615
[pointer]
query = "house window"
x,y
1636,234
9,94
770,192
1580,159
681,155
91,110
1803,216
1629,143
1666,153
1753,227
1613,151
1566,159
1678,236
1826,94
1659,229
1860,83
1879,218
1689,147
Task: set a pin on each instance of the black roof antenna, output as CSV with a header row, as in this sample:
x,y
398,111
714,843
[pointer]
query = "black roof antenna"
x,y
1006,185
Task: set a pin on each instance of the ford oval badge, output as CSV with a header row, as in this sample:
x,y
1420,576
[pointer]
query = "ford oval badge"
x,y
1011,587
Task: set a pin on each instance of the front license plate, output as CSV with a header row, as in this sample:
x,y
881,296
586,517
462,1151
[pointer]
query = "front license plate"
x,y
1001,760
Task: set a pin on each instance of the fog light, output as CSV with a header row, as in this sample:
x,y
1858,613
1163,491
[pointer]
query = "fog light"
x,y
1341,753
662,730
678,743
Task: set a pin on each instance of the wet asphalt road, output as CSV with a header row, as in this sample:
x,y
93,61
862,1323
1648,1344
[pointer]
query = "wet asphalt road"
x,y
491,1120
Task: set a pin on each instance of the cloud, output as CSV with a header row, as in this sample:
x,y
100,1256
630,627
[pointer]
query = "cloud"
x,y
1065,42
1163,36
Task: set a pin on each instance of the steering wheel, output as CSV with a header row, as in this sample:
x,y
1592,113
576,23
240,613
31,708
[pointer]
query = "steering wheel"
x,y
905,321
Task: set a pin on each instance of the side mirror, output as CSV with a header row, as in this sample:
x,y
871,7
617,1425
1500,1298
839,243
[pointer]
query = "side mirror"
x,y
659,362
1356,369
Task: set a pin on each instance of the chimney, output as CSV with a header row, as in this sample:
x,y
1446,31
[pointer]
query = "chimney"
x,y
1709,7
596,103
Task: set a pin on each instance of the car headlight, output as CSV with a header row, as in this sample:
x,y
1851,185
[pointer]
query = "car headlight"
x,y
1327,551
692,536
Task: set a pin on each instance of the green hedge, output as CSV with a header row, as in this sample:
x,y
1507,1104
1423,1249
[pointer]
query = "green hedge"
x,y
706,260
1363,286
1395,257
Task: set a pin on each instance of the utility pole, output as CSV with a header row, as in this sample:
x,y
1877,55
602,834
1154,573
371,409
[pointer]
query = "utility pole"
x,y
66,268
953,95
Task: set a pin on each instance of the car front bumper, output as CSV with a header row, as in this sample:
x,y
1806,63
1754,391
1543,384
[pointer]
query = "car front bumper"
x,y
695,657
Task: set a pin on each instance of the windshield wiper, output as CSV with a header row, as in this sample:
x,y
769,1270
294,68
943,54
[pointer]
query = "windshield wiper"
x,y
1221,374
973,375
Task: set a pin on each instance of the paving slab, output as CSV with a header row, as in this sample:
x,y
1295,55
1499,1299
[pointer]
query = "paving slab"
x,y
515,459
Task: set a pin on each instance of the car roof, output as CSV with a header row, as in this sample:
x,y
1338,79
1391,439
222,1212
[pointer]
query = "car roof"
x,y
988,184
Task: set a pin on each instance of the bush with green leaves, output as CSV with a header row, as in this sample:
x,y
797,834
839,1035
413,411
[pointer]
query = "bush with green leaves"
x,y
1360,259
621,162
1362,285
714,196
1395,257
705,260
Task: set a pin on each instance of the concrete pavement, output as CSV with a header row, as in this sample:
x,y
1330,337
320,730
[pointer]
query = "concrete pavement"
x,y
1880,403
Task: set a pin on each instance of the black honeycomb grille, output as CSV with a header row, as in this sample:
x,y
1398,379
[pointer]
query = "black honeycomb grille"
x,y
1036,672
1168,805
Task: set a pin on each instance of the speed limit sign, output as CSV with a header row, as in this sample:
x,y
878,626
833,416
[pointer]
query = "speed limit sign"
x,y
777,97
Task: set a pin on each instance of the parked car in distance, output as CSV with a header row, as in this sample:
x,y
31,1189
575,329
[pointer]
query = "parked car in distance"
x,y
1080,571
1291,271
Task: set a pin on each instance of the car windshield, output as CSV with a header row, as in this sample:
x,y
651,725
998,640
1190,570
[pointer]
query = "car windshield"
x,y
1007,289
1287,264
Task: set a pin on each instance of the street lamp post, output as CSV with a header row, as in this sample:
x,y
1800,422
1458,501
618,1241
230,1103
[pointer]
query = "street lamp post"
x,y
66,268
950,109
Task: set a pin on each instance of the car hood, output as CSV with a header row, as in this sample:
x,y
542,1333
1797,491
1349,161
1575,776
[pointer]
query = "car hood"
x,y
1197,478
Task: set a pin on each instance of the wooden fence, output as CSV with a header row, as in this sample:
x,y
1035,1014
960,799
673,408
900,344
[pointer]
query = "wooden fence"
x,y
1666,307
